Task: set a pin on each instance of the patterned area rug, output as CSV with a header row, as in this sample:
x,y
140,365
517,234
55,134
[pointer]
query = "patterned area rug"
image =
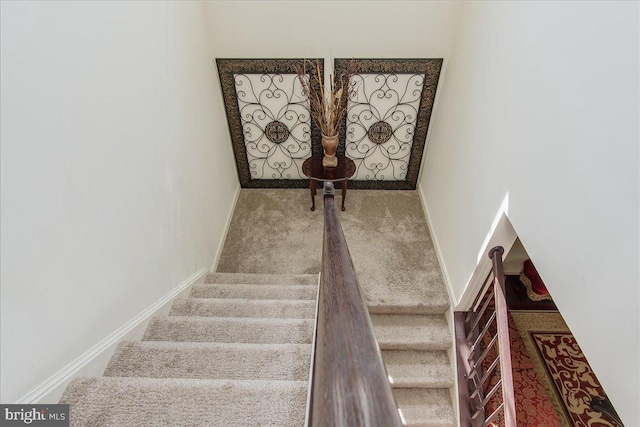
x,y
561,367
533,406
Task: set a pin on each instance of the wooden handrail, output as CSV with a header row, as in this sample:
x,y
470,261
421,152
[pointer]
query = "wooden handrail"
x,y
350,386
485,386
504,343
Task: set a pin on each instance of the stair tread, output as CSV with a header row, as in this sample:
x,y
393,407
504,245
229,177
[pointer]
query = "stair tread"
x,y
228,307
262,279
229,329
411,331
425,407
271,292
159,359
414,368
109,401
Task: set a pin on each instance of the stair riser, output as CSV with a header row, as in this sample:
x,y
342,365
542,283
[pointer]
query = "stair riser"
x,y
211,361
293,292
411,332
426,407
229,330
422,384
209,307
263,279
417,309
422,346
418,369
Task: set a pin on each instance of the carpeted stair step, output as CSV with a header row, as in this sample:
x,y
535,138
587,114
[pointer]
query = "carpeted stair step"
x,y
424,407
411,331
229,330
262,279
226,307
210,361
413,368
236,291
97,402
439,306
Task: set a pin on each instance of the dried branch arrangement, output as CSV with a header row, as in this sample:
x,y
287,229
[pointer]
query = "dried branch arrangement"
x,y
328,105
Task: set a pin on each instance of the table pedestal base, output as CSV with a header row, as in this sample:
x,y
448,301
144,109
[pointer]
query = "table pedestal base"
x,y
313,188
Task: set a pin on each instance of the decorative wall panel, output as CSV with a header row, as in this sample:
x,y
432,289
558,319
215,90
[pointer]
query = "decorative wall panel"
x,y
387,119
381,121
269,121
384,131
276,124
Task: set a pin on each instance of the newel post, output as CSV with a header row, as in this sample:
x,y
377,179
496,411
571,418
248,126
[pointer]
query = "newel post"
x,y
498,268
329,190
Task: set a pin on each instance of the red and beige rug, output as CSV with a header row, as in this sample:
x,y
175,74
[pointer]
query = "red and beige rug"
x,y
534,408
561,368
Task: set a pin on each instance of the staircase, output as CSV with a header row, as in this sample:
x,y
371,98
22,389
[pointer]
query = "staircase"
x,y
413,349
235,353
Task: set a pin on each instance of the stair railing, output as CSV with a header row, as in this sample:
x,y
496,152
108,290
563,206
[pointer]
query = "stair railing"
x,y
485,380
350,386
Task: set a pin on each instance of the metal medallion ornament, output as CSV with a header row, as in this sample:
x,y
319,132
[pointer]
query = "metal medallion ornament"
x,y
276,132
380,132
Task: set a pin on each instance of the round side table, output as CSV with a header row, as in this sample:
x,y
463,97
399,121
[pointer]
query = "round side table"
x,y
313,169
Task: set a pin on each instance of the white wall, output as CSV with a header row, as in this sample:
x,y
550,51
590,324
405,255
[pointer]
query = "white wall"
x,y
541,103
117,174
345,29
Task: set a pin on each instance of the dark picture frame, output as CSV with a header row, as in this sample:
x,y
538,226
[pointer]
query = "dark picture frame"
x,y
431,68
227,68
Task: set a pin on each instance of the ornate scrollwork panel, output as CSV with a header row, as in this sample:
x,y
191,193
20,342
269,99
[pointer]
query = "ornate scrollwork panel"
x,y
269,120
387,119
276,124
381,121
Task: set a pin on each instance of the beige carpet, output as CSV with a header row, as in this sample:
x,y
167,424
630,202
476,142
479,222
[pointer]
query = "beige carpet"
x,y
562,368
237,351
226,356
273,231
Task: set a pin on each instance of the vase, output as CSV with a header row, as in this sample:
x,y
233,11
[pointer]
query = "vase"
x,y
329,144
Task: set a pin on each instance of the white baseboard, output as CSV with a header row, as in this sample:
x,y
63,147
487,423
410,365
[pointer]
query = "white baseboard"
x,y
94,361
451,353
216,259
436,245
